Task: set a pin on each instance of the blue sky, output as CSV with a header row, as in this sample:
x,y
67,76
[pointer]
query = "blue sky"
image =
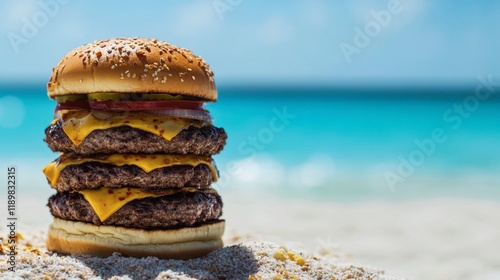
x,y
269,41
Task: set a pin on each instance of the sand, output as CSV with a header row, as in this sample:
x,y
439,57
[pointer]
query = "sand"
x,y
425,238
243,260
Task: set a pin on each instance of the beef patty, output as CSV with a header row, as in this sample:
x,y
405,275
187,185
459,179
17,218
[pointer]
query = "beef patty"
x,y
205,140
93,175
169,211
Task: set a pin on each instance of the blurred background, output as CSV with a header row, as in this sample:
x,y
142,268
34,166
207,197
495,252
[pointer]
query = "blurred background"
x,y
324,101
358,84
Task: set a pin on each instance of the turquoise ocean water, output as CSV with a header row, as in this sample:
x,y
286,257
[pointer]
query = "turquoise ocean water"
x,y
326,143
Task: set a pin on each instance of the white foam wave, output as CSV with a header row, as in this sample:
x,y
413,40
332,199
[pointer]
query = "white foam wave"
x,y
321,173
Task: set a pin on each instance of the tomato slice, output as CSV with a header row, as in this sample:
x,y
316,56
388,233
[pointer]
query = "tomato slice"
x,y
145,105
71,105
142,105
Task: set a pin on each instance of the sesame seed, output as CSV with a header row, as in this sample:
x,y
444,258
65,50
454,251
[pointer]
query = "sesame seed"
x,y
189,69
193,77
182,80
113,66
133,76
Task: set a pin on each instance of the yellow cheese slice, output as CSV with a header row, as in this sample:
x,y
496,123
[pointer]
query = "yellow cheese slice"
x,y
106,201
78,124
146,162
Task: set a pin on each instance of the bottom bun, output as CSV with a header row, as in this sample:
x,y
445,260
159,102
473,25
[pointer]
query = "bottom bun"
x,y
70,237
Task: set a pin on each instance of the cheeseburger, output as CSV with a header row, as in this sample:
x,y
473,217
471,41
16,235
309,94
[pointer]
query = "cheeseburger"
x,y
136,146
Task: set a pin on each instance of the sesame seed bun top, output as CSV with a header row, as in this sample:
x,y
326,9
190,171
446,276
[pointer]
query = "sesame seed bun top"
x,y
132,65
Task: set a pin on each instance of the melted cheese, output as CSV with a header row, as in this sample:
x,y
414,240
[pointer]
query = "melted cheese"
x,y
106,201
147,162
78,124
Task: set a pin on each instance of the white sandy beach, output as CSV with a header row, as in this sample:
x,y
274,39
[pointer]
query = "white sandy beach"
x,y
416,239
